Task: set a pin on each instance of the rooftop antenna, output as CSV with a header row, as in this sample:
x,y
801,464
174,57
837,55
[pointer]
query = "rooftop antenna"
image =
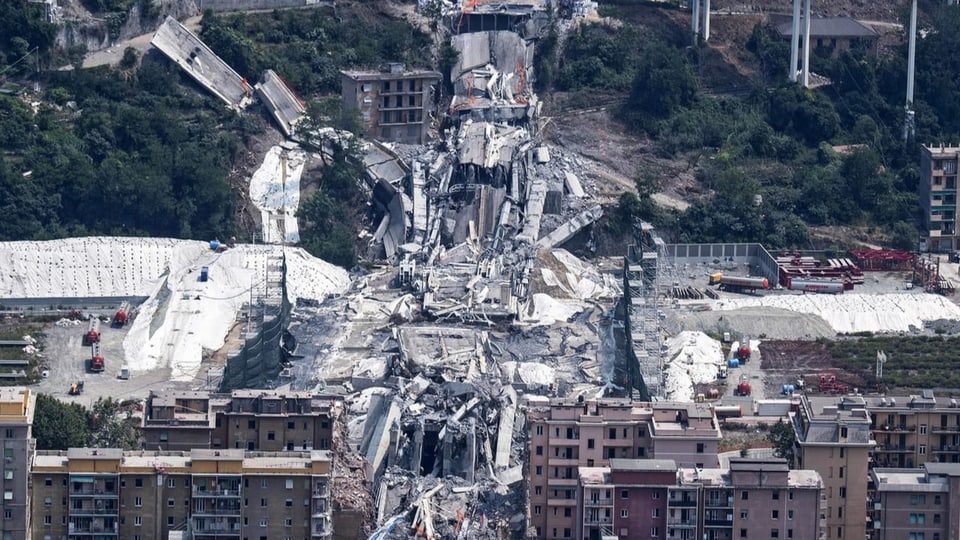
x,y
908,121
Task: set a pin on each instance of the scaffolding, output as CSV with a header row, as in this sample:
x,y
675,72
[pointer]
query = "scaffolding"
x,y
642,268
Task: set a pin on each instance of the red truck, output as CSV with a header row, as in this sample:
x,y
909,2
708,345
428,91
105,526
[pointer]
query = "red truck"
x,y
93,331
96,359
120,317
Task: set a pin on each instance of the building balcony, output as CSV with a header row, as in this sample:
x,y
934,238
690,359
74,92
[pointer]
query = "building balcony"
x,y
571,502
198,492
98,531
945,429
216,528
718,522
568,482
897,428
107,511
683,523
946,448
227,512
682,503
98,493
563,462
895,448
719,503
593,522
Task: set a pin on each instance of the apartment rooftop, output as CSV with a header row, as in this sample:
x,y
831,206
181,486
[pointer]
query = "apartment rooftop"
x,y
17,405
826,420
643,465
131,461
803,478
390,75
594,476
925,400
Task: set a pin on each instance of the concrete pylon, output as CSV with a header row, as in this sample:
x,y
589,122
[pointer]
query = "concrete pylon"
x,y
706,20
795,42
908,121
806,43
696,19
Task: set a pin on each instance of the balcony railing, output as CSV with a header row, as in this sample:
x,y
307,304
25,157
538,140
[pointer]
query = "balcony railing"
x,y
718,522
217,512
680,522
897,428
109,511
93,493
203,492
719,503
895,448
682,502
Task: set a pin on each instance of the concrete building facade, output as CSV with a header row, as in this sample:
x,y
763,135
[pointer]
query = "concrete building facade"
x,y
916,504
836,34
653,498
565,435
254,420
914,429
834,438
394,105
17,407
101,494
938,197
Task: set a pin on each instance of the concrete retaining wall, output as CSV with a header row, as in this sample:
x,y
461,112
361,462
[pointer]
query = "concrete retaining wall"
x,y
761,262
244,5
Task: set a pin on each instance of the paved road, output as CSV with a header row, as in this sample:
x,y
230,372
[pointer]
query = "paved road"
x,y
141,43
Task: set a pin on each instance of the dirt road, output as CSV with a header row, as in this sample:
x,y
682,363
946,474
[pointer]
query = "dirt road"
x,y
141,43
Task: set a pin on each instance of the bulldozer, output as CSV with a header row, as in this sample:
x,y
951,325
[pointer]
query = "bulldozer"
x,y
76,388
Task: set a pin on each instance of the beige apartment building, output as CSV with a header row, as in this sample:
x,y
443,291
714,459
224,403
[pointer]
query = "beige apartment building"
x,y
636,499
254,420
834,438
17,406
916,504
915,429
565,435
938,197
229,494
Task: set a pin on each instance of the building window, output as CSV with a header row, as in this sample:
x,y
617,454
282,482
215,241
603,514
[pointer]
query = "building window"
x,y
842,492
590,443
539,430
288,522
624,513
539,470
566,532
8,433
138,501
923,429
699,447
918,519
271,436
251,424
743,533
48,481
655,512
138,482
743,514
774,533
789,533
654,532
916,536
8,514
8,494
538,490
624,493
918,499
655,495
537,510
744,495
841,472
289,503
291,425
936,499
936,518
923,449
171,502
775,514
47,520
137,521
776,495
48,501
263,522
539,450
171,482
789,514
839,532
567,512
613,433
263,503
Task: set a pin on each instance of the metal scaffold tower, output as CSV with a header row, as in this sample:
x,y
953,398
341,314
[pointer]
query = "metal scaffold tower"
x,y
642,269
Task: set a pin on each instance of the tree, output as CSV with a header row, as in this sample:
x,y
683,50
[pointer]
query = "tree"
x,y
113,427
784,440
58,425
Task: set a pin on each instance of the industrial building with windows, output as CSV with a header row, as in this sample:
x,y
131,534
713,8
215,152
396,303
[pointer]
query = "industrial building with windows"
x,y
101,494
938,197
394,104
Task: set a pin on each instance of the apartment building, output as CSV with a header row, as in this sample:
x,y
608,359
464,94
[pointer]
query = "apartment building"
x,y
229,494
653,498
568,434
938,197
254,420
916,504
914,429
17,406
394,105
834,438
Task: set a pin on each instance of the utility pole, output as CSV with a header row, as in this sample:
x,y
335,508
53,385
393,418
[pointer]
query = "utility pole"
x,y
908,120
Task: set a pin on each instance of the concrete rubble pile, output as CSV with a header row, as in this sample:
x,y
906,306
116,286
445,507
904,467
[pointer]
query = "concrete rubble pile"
x,y
476,303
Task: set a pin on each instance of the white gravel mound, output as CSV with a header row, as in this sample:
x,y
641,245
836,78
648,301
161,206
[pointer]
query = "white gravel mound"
x,y
847,313
692,358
